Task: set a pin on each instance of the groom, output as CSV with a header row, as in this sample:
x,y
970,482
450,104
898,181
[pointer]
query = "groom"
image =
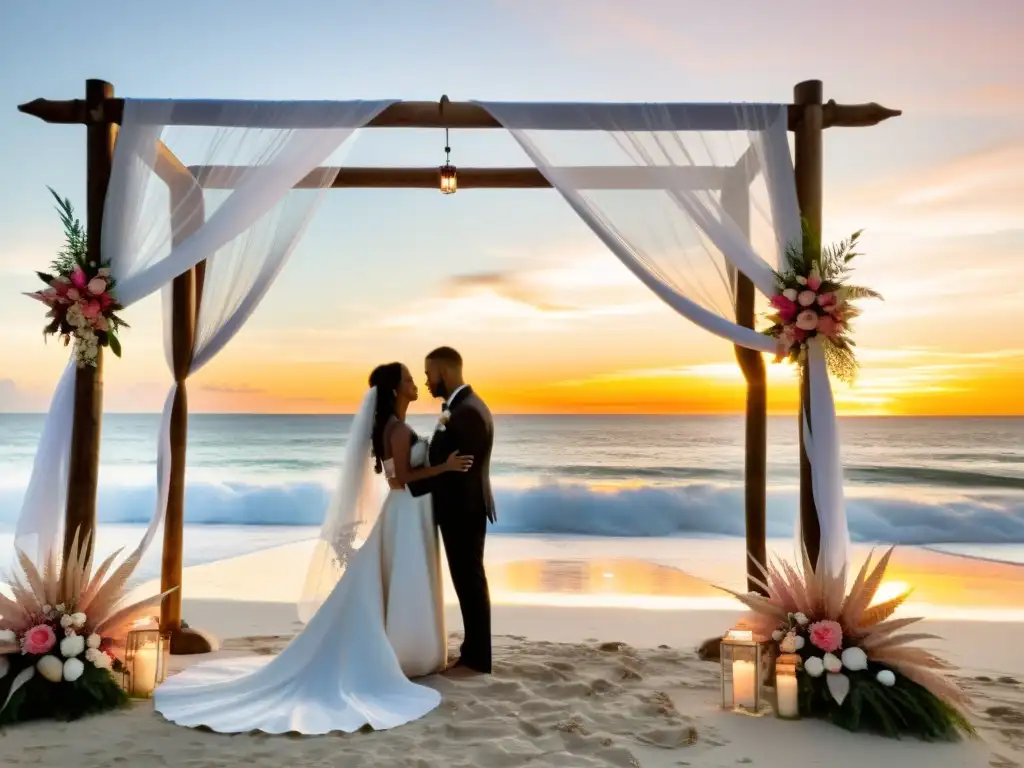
x,y
463,503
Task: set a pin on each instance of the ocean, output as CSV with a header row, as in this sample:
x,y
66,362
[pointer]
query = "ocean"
x,y
254,481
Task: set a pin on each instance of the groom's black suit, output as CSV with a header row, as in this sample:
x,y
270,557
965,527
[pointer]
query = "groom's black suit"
x,y
463,503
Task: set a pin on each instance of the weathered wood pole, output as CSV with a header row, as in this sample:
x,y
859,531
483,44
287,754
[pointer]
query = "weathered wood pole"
x,y
84,461
808,136
736,202
187,215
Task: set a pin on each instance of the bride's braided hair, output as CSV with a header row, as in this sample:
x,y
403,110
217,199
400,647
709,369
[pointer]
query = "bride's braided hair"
x,y
387,379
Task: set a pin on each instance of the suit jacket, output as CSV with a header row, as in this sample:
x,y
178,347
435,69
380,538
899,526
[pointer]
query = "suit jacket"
x,y
470,431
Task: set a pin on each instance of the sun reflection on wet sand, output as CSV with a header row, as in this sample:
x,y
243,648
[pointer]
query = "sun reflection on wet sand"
x,y
940,585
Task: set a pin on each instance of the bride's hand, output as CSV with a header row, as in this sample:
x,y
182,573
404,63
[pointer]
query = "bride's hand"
x,y
457,463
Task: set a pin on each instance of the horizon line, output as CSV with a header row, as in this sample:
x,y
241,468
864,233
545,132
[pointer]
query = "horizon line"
x,y
776,414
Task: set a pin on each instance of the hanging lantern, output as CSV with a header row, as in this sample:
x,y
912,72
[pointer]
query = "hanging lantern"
x,y
449,176
147,651
742,658
449,179
787,692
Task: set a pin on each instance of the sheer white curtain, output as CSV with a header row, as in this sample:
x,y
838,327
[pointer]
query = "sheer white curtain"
x,y
656,183
159,222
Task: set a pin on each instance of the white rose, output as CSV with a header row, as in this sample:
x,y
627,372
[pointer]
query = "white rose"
x,y
103,272
777,635
96,286
73,669
60,608
72,646
66,620
801,280
790,293
94,640
886,677
788,644
854,659
47,608
78,619
801,619
7,636
90,654
5,666
832,663
51,668
814,666
799,641
102,660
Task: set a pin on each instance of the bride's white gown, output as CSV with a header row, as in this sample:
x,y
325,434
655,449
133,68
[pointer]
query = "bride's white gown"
x,y
382,624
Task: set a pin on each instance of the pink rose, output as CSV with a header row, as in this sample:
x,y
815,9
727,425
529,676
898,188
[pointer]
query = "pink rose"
x,y
799,334
38,640
97,286
814,282
90,309
806,298
100,323
78,279
807,320
105,300
826,635
787,309
827,326
826,300
61,285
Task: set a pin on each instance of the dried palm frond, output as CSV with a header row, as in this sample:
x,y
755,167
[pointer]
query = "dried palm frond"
x,y
72,586
822,596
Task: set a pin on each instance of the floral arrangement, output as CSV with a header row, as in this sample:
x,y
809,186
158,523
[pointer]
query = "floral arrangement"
x,y
62,636
80,295
814,301
858,669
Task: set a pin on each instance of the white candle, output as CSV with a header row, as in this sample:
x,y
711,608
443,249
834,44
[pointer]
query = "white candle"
x,y
786,689
144,668
744,680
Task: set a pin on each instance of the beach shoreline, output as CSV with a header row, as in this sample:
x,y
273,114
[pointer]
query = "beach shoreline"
x,y
575,684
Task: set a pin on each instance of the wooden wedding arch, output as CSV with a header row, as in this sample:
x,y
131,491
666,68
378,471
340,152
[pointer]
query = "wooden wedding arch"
x,y
101,113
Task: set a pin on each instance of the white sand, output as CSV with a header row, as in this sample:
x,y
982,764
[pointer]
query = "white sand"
x,y
573,686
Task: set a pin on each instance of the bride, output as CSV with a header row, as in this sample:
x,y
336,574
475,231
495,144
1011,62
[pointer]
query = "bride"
x,y
372,600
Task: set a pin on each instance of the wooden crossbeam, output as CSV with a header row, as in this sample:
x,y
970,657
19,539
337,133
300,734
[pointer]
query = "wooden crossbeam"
x,y
585,177
459,114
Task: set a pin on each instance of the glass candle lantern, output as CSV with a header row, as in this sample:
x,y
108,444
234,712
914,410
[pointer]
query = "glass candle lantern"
x,y
742,657
449,179
147,651
787,691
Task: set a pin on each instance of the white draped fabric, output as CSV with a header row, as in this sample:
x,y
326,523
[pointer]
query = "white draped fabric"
x,y
159,222
667,187
682,224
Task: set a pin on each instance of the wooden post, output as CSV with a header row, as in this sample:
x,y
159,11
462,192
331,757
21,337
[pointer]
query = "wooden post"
x,y
183,325
84,463
736,202
809,182
187,215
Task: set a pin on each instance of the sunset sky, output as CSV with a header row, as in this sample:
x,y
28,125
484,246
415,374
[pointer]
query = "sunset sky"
x,y
546,318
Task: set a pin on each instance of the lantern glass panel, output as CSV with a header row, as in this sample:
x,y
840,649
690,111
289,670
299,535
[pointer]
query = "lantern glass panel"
x,y
147,652
449,179
742,659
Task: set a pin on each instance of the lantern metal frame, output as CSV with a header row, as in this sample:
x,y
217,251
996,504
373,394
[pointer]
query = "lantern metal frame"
x,y
140,639
788,665
449,174
741,645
